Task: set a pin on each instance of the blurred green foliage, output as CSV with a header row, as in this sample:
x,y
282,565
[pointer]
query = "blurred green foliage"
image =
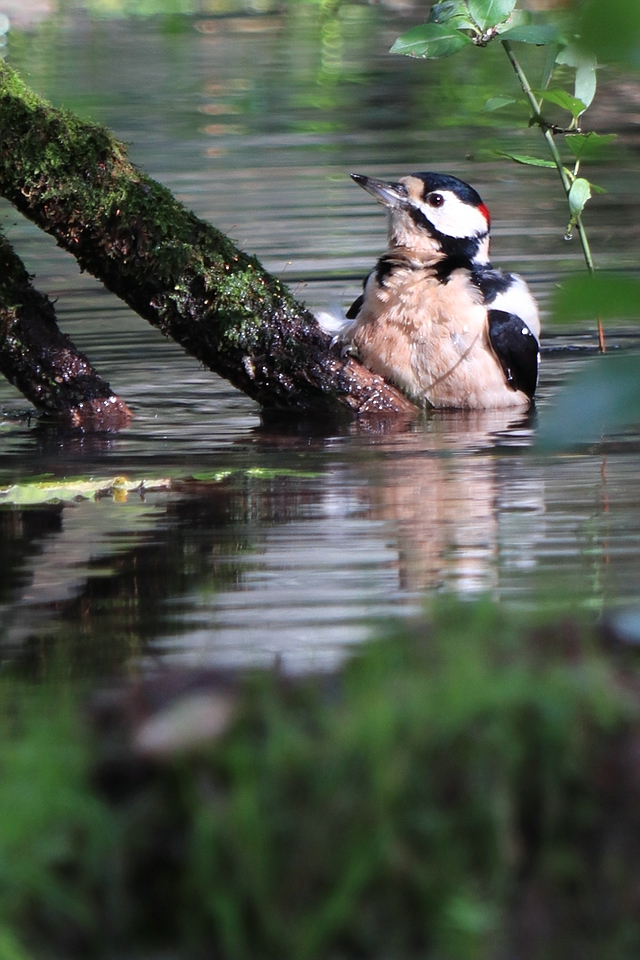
x,y
612,296
56,835
386,822
611,30
602,398
402,808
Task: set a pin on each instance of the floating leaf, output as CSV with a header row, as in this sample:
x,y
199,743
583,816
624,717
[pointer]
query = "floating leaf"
x,y
579,193
584,146
602,398
489,13
497,103
212,476
563,99
585,67
610,296
261,473
431,41
537,34
66,491
273,473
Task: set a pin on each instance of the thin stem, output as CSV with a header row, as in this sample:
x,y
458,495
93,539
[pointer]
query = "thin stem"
x,y
557,159
586,249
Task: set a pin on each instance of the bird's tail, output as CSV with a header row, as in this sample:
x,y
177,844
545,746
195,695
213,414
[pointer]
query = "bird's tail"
x,y
333,320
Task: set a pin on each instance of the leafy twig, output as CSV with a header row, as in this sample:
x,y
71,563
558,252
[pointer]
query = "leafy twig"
x,y
567,180
454,24
553,149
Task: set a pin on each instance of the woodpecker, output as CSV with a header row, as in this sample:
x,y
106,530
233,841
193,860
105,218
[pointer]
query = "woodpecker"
x,y
435,318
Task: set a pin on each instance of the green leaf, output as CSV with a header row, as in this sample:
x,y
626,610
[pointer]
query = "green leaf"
x,y
442,12
484,155
528,161
584,146
585,67
610,296
431,41
562,99
496,103
586,81
519,18
489,13
537,34
579,193
602,398
549,65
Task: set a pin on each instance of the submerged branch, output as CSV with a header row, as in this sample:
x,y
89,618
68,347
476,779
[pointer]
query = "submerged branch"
x,y
42,362
74,180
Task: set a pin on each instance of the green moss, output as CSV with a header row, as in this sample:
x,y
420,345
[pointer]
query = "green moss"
x,y
74,180
65,160
14,86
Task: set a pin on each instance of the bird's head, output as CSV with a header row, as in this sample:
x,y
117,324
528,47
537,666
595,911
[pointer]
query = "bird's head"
x,y
434,215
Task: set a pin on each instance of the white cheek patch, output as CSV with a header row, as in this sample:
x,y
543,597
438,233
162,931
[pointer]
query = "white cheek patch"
x,y
455,218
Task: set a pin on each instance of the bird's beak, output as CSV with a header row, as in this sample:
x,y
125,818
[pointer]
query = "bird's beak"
x,y
390,194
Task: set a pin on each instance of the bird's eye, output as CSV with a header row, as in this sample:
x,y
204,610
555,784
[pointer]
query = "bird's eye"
x,y
435,199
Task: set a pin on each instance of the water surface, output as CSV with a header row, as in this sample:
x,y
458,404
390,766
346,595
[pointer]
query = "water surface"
x,y
285,538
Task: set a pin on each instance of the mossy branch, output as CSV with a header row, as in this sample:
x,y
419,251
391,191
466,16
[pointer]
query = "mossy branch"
x,y
42,362
74,180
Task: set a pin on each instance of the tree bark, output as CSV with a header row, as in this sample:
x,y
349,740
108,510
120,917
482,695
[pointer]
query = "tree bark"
x,y
74,180
42,362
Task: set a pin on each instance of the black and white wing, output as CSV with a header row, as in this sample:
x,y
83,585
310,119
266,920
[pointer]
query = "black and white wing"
x,y
355,307
516,349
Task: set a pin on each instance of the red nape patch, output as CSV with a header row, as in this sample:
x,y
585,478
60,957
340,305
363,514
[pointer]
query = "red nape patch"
x,y
485,213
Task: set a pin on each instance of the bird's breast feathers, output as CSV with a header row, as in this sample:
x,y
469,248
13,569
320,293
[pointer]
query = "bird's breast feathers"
x,y
431,337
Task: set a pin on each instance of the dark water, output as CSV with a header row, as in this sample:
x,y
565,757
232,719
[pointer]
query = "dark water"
x,y
284,539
